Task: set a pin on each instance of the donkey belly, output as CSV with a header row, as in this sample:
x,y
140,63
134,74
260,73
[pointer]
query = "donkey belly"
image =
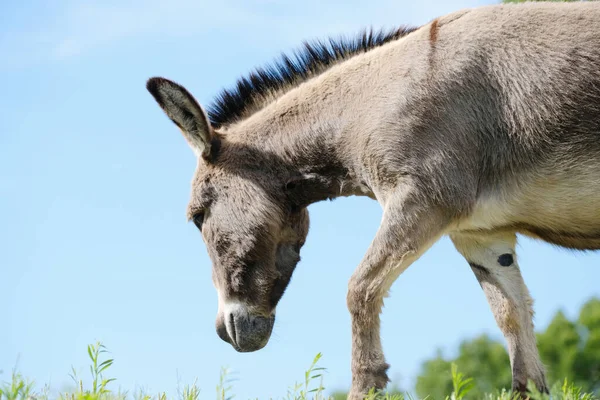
x,y
562,208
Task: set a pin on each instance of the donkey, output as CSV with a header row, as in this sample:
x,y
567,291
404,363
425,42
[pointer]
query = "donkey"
x,y
479,125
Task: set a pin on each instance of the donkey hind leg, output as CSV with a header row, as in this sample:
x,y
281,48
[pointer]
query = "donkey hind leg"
x,y
493,260
406,231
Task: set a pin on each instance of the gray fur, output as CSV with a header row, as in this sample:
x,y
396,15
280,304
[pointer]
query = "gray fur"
x,y
480,125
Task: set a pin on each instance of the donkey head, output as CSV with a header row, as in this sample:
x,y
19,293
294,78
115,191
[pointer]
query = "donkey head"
x,y
252,230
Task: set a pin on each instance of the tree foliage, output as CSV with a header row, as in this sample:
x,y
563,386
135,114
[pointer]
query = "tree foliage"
x,y
569,349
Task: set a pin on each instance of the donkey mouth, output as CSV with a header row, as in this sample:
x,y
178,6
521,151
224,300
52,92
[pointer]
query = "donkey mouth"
x,y
248,333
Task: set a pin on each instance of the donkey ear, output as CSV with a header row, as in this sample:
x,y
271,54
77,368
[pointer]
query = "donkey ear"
x,y
185,112
303,190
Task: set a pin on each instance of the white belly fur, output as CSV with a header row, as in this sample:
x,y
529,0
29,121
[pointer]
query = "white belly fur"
x,y
567,201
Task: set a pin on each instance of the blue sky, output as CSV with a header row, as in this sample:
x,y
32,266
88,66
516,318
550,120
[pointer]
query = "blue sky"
x,y
94,182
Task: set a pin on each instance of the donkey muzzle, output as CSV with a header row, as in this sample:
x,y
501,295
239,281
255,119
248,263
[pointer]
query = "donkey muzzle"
x,y
244,331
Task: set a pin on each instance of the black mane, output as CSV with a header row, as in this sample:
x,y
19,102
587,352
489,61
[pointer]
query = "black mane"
x,y
252,91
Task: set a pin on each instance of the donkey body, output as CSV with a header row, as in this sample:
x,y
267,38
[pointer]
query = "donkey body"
x,y
480,125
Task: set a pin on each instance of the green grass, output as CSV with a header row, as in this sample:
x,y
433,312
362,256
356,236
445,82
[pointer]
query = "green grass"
x,y
310,387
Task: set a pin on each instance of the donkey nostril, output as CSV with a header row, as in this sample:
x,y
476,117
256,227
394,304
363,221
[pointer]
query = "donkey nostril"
x,y
231,330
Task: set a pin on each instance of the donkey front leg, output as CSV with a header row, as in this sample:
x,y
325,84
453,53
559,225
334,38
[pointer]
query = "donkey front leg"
x,y
493,260
406,231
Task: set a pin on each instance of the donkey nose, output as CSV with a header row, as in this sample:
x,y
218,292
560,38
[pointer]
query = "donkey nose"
x,y
222,330
244,331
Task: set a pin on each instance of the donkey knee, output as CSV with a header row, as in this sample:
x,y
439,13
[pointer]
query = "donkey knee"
x,y
362,299
356,298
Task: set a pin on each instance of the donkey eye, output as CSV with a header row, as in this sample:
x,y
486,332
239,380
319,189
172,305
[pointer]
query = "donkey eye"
x,y
198,220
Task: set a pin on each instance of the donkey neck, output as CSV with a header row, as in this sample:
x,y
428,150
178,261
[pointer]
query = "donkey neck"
x,y
320,126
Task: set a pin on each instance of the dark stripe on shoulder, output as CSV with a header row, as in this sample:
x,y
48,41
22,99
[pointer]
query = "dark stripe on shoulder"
x,y
433,32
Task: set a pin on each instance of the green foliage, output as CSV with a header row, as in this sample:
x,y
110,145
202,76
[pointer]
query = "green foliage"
x,y
461,386
587,367
301,391
224,386
99,390
379,395
566,391
18,388
569,349
482,358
